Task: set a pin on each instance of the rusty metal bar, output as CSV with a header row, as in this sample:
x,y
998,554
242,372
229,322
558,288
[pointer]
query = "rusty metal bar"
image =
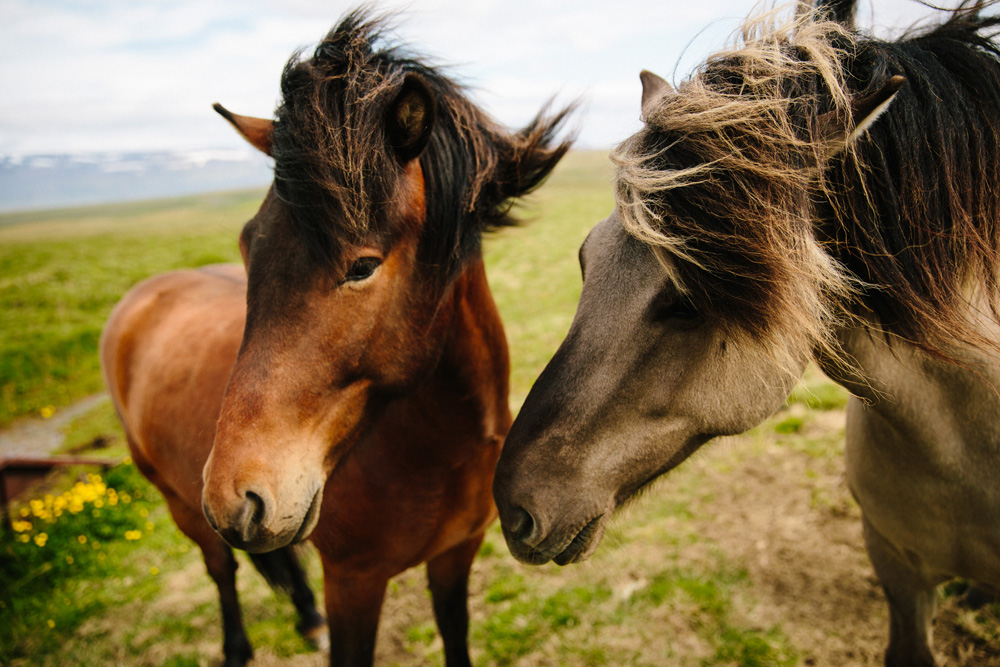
x,y
19,474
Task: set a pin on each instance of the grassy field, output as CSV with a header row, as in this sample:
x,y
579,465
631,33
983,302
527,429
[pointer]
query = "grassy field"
x,y
749,554
61,273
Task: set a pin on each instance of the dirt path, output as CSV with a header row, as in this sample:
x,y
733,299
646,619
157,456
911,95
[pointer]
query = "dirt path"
x,y
35,436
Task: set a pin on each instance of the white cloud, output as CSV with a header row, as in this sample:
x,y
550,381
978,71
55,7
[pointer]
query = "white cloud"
x,y
124,75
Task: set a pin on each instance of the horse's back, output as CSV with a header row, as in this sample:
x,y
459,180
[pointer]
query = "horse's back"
x,y
166,352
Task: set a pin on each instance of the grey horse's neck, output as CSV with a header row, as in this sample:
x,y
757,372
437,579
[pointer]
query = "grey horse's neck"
x,y
927,398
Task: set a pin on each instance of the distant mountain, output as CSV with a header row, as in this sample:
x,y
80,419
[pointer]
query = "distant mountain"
x,y
54,181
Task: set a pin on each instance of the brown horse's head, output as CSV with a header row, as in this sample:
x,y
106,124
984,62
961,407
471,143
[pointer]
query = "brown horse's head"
x,y
385,178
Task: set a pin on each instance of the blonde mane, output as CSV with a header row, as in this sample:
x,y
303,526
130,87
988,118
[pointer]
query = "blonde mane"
x,y
736,127
747,183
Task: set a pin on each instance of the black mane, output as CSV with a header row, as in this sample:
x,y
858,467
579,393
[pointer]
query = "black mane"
x,y
918,222
337,173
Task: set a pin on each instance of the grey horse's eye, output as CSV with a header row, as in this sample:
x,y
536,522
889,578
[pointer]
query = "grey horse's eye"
x,y
676,309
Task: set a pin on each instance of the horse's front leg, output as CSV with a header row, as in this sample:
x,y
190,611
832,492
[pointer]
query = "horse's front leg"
x,y
448,580
353,604
221,566
912,603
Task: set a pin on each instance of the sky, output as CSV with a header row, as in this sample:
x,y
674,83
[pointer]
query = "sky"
x,y
85,76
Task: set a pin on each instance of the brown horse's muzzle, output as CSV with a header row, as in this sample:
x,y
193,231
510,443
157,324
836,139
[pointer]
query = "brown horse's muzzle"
x,y
246,523
260,512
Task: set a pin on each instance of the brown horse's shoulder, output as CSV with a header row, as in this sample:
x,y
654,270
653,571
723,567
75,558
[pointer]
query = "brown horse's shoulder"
x,y
166,352
233,272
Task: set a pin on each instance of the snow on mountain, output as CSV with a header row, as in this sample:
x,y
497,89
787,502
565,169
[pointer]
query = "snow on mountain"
x,y
53,181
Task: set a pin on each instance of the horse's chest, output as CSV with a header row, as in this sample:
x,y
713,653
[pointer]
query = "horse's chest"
x,y
932,493
383,507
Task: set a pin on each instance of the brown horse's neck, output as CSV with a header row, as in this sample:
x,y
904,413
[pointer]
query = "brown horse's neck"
x,y
471,371
475,353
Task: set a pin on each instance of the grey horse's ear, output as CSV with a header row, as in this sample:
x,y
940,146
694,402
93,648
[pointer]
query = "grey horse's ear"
x,y
840,11
653,88
866,109
838,132
257,131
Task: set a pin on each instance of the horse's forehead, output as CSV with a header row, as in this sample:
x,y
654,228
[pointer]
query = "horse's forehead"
x,y
610,248
621,274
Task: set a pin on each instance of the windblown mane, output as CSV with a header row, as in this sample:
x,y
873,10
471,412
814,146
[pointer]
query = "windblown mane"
x,y
779,229
336,172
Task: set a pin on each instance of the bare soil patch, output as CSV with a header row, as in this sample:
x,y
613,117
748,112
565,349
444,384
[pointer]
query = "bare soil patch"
x,y
771,506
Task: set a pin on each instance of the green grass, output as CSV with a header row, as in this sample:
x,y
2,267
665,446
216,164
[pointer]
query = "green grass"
x,y
62,272
533,269
64,548
659,591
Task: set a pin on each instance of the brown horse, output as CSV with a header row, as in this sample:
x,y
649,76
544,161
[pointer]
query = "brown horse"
x,y
812,193
167,352
367,401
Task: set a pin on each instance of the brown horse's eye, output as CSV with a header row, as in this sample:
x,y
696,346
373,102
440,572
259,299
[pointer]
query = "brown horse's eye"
x,y
361,269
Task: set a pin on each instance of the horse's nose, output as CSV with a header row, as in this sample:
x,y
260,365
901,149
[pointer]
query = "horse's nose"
x,y
520,527
244,518
250,515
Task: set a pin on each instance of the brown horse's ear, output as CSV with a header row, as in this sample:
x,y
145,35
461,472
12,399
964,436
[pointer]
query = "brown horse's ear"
x,y
410,119
865,109
257,131
653,87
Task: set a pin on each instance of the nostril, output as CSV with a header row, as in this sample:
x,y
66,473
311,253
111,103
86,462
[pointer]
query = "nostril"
x,y
258,507
521,526
250,515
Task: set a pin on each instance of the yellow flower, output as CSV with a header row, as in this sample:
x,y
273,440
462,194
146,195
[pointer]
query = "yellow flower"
x,y
21,526
69,560
143,512
82,539
47,412
127,460
149,527
154,570
41,539
50,623
132,535
23,538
